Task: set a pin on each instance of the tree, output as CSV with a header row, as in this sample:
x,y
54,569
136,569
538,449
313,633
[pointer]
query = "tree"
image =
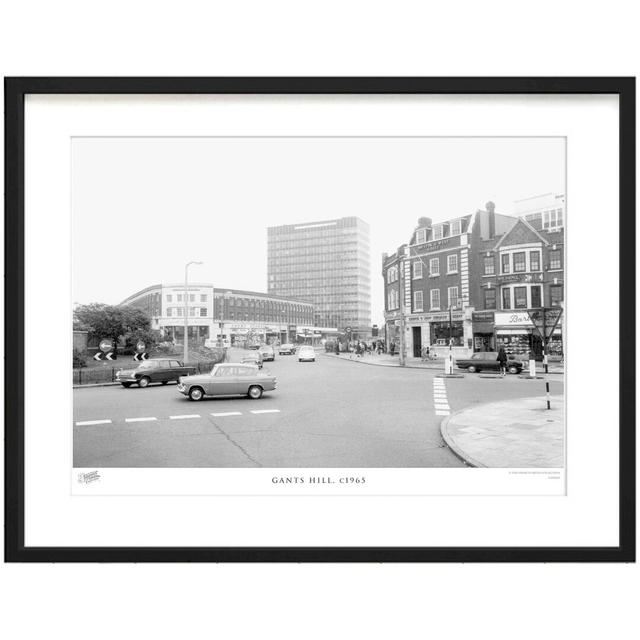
x,y
114,322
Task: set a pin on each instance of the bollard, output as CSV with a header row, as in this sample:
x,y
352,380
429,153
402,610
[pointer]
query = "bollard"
x,y
548,398
545,361
532,368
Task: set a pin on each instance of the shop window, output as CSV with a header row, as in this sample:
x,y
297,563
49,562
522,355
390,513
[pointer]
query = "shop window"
x,y
506,298
489,266
519,262
536,296
556,296
435,299
505,263
417,269
452,263
534,261
555,259
520,297
417,301
434,267
490,298
442,332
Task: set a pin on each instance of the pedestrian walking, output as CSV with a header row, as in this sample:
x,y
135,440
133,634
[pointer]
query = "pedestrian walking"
x,y
337,347
502,359
392,348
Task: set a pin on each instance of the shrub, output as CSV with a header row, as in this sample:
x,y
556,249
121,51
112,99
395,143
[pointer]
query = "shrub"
x,y
79,361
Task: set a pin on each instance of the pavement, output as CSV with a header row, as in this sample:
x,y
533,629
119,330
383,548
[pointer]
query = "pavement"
x,y
386,360
509,434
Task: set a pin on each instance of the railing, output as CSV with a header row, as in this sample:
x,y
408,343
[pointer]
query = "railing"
x,y
103,375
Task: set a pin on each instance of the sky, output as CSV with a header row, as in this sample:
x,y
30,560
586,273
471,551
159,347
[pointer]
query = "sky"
x,y
162,202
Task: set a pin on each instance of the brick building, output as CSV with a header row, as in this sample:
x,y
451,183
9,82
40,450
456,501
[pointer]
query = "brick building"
x,y
471,281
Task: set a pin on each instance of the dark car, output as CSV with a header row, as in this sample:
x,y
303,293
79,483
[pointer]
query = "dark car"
x,y
286,349
487,361
229,379
267,352
252,357
161,370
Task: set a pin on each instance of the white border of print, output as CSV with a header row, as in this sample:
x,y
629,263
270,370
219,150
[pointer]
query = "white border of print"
x,y
55,517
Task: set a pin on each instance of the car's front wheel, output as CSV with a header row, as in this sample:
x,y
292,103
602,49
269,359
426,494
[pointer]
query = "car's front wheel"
x,y
144,382
196,393
471,369
255,392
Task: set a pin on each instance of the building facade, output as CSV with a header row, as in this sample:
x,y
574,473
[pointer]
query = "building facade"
x,y
326,263
468,284
227,316
517,276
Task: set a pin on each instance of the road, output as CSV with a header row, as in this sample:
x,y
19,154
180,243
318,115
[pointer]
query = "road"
x,y
328,413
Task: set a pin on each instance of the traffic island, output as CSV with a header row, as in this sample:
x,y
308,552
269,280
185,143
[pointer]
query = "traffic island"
x,y
518,433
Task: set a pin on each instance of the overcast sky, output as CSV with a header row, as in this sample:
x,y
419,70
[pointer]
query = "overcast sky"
x,y
163,202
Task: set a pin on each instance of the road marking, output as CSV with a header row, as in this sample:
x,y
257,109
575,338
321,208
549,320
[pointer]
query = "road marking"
x,y
227,413
140,419
442,413
87,423
184,417
440,402
267,411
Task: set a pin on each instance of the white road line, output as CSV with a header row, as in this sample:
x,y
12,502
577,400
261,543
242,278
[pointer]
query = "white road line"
x,y
442,407
185,417
86,423
267,411
227,413
140,419
442,413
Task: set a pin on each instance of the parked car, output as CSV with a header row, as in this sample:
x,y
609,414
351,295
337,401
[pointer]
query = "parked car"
x,y
286,349
228,379
487,361
267,352
306,354
253,357
155,370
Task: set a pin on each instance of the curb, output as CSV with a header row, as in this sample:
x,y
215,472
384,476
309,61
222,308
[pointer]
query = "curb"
x,y
409,366
96,384
459,453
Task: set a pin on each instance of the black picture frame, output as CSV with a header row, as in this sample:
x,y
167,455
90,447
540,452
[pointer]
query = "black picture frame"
x,y
15,91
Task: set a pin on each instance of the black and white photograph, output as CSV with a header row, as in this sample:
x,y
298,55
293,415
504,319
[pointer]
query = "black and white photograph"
x,y
319,302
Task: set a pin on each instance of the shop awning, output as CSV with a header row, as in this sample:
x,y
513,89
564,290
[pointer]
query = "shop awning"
x,y
513,332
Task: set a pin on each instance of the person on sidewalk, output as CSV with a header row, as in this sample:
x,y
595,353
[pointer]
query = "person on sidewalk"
x,y
502,359
337,348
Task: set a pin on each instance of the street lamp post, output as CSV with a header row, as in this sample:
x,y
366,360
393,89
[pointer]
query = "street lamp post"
x,y
186,309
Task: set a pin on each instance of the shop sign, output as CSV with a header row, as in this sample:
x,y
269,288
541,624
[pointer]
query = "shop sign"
x,y
437,317
513,318
445,243
520,277
483,316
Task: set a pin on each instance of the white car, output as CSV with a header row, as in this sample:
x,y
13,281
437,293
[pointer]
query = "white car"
x,y
306,354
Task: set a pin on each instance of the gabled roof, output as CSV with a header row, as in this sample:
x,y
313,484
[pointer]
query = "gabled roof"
x,y
520,221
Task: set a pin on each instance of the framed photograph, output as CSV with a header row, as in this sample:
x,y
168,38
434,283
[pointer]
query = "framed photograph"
x,y
320,319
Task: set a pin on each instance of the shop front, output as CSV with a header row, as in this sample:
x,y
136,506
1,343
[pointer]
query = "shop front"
x,y
484,338
439,332
517,334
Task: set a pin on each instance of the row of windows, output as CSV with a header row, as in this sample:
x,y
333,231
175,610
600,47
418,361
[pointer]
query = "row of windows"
x,y
439,231
193,311
522,262
522,297
192,297
434,266
434,299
